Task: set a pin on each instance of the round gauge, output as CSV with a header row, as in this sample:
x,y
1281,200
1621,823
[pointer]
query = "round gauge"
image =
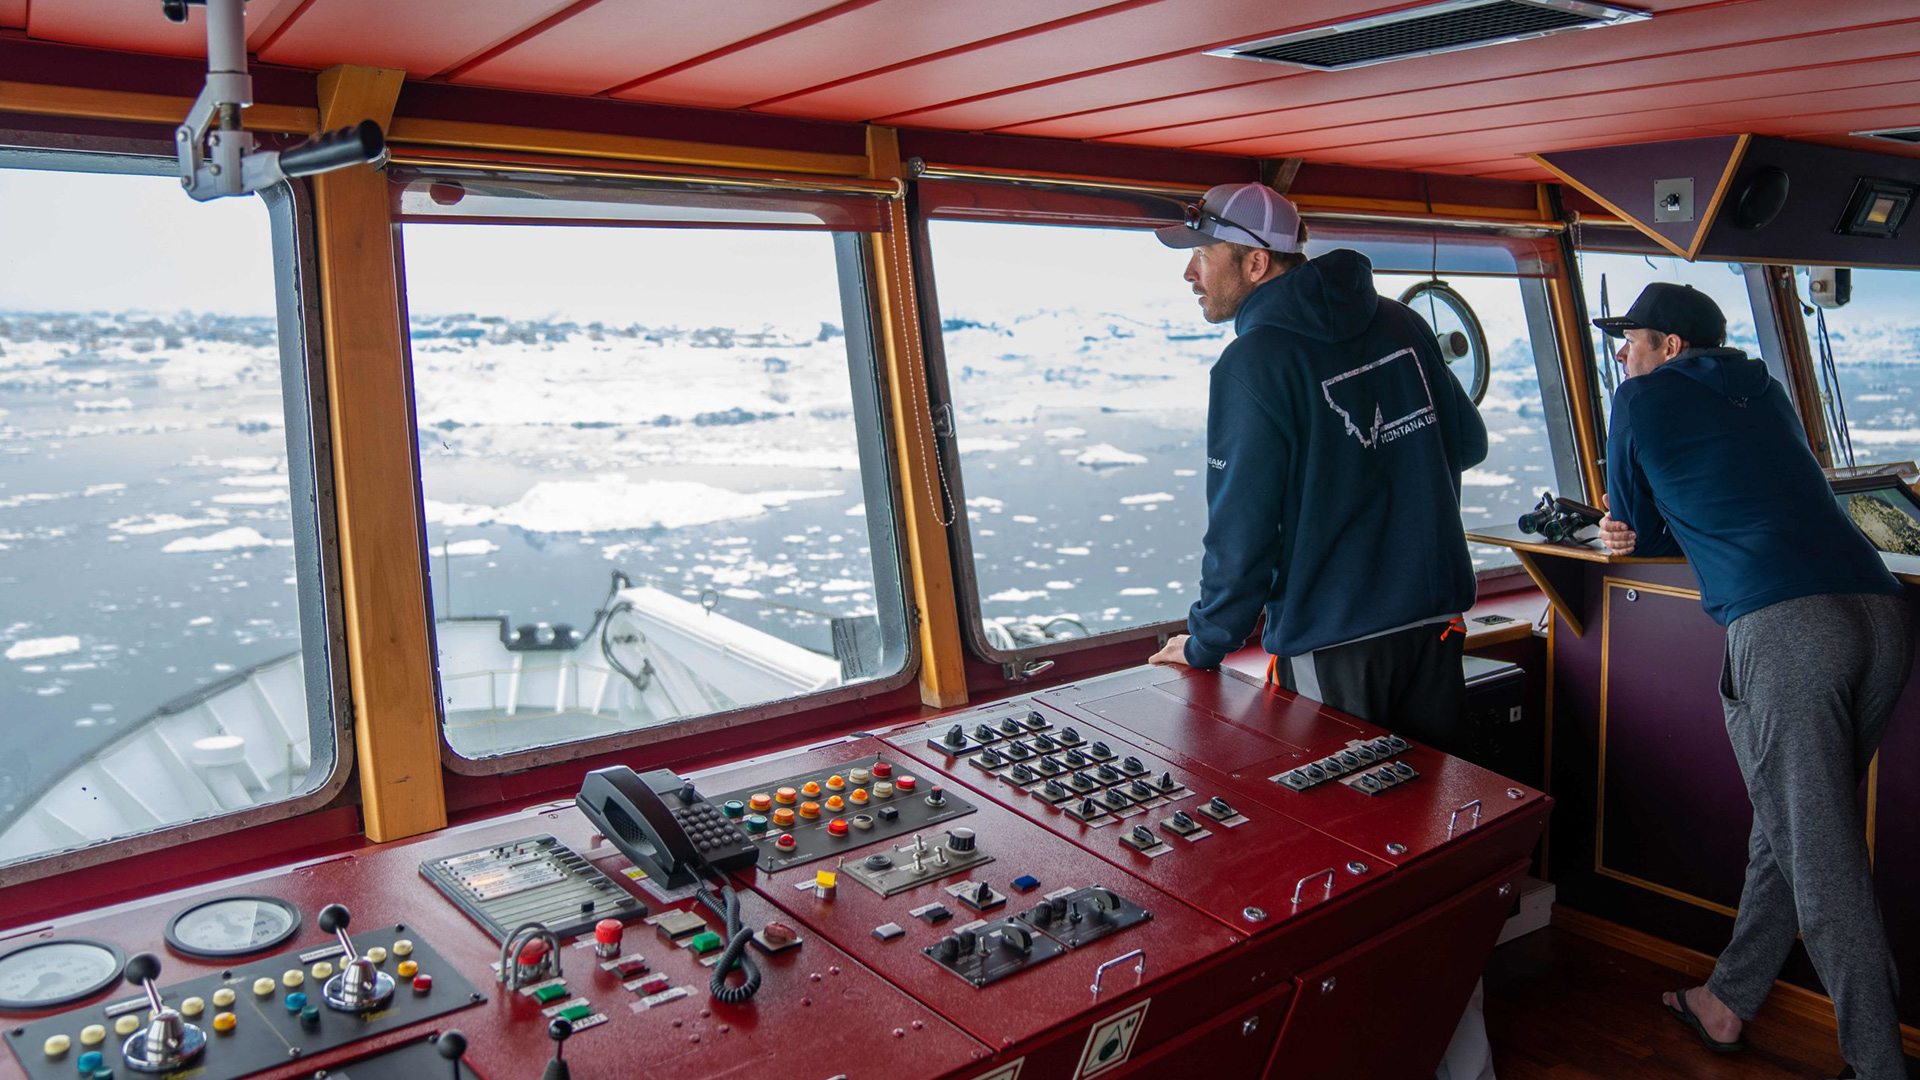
x,y
57,972
233,926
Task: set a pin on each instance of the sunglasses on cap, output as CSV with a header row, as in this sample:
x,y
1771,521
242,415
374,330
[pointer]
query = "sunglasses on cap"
x,y
1199,217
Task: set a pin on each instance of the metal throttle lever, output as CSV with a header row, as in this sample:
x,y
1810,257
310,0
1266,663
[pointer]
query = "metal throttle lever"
x,y
359,987
168,1042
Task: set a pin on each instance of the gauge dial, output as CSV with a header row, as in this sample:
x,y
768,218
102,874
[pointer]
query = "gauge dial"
x,y
51,973
233,926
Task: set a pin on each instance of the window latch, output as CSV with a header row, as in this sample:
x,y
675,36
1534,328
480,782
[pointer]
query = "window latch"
x,y
943,421
1022,670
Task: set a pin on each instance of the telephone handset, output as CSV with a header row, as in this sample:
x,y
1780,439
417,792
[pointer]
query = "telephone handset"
x,y
663,824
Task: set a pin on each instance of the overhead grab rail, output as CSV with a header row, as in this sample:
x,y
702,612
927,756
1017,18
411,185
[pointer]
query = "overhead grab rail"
x,y
546,165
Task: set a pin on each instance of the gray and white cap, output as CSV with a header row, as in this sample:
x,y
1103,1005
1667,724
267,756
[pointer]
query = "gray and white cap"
x,y
1250,214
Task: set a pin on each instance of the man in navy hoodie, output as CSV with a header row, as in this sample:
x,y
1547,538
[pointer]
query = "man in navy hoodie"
x,y
1335,442
1707,458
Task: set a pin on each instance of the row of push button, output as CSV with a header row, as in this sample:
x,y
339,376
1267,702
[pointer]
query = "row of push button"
x,y
1361,755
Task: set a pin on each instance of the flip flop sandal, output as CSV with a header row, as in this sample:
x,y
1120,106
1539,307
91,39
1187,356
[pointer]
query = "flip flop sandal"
x,y
1680,1011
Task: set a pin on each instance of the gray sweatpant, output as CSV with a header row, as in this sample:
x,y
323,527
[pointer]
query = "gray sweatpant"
x,y
1808,686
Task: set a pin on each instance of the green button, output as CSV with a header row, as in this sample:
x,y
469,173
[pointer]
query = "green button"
x,y
576,1013
705,943
547,995
756,823
733,808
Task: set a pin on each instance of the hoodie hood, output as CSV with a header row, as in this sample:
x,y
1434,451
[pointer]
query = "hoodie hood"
x,y
1330,298
1728,372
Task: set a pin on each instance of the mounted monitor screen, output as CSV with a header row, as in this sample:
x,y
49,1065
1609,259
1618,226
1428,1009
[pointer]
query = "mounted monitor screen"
x,y
655,495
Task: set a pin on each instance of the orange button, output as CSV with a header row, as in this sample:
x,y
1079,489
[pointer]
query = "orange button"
x,y
835,802
809,809
809,788
786,795
783,817
836,782
858,796
837,827
759,802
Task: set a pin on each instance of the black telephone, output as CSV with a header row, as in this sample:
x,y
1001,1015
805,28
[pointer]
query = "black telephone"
x,y
662,823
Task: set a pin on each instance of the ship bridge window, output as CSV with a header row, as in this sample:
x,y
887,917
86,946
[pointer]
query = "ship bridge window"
x,y
166,655
1077,365
1610,280
1869,369
654,479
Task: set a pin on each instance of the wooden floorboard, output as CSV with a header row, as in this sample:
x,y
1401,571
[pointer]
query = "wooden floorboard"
x,y
1562,1007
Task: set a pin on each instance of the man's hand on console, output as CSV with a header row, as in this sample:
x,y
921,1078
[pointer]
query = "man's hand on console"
x,y
1619,539
1173,652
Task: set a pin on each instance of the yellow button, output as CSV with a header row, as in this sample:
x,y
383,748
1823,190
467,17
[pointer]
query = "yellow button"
x,y
809,809
292,977
786,795
192,1007
224,1021
858,796
783,817
835,802
836,782
377,954
759,803
126,1025
809,788
56,1045
222,997
407,969
403,947
93,1035
323,969
825,879
263,987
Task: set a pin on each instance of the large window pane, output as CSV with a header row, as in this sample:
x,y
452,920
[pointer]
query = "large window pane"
x,y
646,456
1078,363
152,629
1875,342
1612,281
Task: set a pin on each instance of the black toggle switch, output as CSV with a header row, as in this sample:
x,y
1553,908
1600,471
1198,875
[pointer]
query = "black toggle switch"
x,y
1011,726
1075,758
1219,806
1100,750
1021,773
1139,790
1167,782
1051,762
985,733
1070,735
1144,836
956,737
990,756
1107,774
1041,742
1132,764
1183,820
1089,808
1055,789
1084,780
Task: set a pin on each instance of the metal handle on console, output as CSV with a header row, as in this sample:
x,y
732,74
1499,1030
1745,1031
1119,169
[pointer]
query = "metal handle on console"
x,y
1455,819
1138,969
1328,873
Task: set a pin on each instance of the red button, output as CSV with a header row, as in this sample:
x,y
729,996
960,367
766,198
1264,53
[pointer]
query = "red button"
x,y
422,983
785,842
837,827
906,783
607,931
533,952
882,770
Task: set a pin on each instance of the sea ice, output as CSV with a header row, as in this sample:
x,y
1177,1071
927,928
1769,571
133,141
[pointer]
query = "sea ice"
x,y
1065,433
1143,500
611,503
1107,455
1017,596
252,498
1485,478
115,405
1140,591
39,648
458,548
159,523
234,539
1072,551
982,444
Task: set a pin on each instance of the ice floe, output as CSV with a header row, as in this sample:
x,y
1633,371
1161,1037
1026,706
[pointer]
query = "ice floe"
x,y
612,503
1107,455
1144,500
41,648
159,523
239,538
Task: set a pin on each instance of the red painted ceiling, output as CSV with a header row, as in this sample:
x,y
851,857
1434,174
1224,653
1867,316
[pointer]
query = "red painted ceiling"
x,y
1130,72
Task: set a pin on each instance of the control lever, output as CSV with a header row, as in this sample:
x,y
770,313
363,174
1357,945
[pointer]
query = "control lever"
x,y
169,1041
452,1045
359,987
559,1031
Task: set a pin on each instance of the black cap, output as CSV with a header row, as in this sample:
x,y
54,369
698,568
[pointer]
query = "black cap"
x,y
1672,309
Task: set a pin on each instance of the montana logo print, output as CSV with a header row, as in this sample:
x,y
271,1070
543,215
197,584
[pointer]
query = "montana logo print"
x,y
1382,401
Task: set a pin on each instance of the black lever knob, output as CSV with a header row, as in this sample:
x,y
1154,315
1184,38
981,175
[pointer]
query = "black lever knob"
x,y
558,1031
1167,782
1033,716
985,733
949,948
1010,726
1100,749
1070,735
1088,808
1143,836
143,968
451,1045
1131,763
956,737
334,918
1220,808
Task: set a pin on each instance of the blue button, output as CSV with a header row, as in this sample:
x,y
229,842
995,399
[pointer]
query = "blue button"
x,y
1026,882
90,1061
296,1001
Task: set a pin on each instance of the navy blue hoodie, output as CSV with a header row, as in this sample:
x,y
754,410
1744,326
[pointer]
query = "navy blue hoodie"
x,y
1335,442
1707,457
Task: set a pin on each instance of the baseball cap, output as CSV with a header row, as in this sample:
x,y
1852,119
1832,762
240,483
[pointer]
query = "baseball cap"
x,y
1672,309
1250,214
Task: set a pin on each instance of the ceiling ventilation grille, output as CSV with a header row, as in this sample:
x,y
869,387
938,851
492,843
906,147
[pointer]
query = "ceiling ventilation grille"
x,y
1911,136
1424,31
